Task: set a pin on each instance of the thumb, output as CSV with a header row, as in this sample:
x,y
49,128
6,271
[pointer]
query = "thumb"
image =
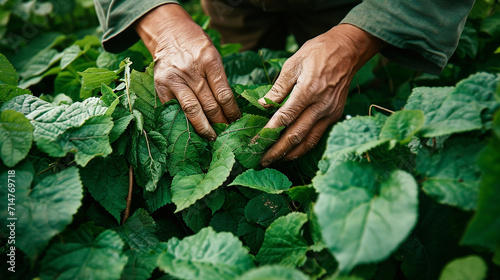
x,y
282,88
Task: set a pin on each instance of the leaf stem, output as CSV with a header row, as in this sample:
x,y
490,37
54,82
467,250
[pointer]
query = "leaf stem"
x,y
126,214
379,107
265,69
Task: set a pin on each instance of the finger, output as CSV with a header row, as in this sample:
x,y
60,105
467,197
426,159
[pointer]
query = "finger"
x,y
310,141
281,88
210,106
287,114
164,93
193,111
219,85
293,136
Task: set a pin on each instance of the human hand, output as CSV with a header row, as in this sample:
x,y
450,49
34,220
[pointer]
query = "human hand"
x,y
188,68
317,77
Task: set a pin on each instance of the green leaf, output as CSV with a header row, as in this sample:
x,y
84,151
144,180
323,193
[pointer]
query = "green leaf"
x,y
140,266
138,232
197,216
85,258
8,74
143,86
40,63
69,55
453,110
267,180
108,95
51,121
46,209
69,83
273,272
215,200
402,125
16,136
206,255
252,234
121,120
187,189
239,66
107,181
86,142
365,220
93,78
451,176
8,92
150,150
187,150
358,135
238,136
159,197
302,194
466,268
283,242
264,209
254,94
484,227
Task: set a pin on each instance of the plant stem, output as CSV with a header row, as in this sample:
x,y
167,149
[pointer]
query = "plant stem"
x,y
126,214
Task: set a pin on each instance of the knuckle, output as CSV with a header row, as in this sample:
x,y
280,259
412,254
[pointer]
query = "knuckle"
x,y
211,109
295,138
285,118
225,96
191,108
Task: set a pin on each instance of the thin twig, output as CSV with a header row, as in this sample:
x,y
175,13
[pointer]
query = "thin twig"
x,y
126,214
379,107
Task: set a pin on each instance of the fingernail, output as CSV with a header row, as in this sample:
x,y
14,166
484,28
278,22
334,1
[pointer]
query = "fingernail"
x,y
265,163
262,101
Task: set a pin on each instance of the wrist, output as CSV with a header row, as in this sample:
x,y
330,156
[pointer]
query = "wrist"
x,y
158,25
364,44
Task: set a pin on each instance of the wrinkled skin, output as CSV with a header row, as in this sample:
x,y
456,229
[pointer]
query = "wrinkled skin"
x,y
317,78
188,68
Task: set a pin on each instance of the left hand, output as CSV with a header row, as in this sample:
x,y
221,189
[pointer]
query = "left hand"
x,y
317,77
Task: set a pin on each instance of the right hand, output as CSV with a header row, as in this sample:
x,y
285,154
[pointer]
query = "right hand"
x,y
188,68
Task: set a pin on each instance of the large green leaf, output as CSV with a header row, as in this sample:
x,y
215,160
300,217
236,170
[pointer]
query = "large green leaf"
x,y
40,63
197,216
121,120
87,141
484,228
8,74
85,257
451,176
143,86
50,120
187,189
283,242
358,135
107,181
69,55
186,149
149,152
365,220
467,268
266,180
206,255
46,209
239,135
451,110
16,136
273,272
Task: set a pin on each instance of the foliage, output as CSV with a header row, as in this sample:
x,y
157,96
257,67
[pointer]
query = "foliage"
x,y
412,194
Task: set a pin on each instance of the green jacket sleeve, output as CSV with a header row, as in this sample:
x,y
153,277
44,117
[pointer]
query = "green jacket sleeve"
x,y
423,34
117,18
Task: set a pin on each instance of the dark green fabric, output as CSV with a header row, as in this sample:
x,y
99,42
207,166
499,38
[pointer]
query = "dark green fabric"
x,y
117,17
422,34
